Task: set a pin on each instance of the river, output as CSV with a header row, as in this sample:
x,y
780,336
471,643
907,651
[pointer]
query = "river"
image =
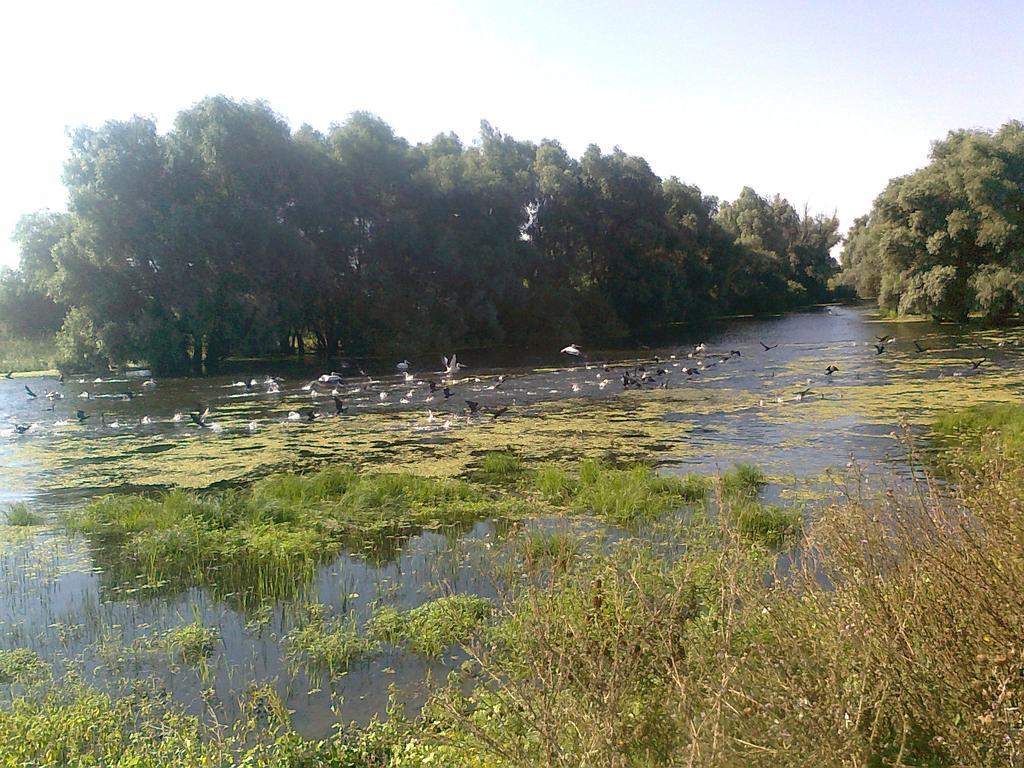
x,y
775,407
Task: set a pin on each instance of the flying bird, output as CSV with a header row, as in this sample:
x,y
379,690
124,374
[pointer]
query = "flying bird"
x,y
975,366
766,347
830,370
30,392
22,428
403,366
918,347
451,367
199,417
572,349
496,412
81,416
474,406
879,349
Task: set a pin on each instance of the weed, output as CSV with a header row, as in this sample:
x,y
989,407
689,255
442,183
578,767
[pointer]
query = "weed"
x,y
326,644
500,467
21,665
21,514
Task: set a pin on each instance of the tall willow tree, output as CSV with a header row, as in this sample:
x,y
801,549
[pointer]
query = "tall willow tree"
x,y
232,234
949,238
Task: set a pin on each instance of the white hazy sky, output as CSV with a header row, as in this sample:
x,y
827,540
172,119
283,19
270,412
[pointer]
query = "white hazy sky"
x,y
820,101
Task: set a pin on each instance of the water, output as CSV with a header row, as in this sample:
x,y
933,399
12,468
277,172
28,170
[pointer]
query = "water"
x,y
56,596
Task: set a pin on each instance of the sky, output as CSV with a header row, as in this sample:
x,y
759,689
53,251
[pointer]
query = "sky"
x,y
821,102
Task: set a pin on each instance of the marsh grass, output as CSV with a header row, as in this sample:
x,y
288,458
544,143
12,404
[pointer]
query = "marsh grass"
x,y
326,644
618,495
21,514
21,665
551,549
554,484
193,643
766,524
267,542
434,626
78,725
962,434
500,468
743,480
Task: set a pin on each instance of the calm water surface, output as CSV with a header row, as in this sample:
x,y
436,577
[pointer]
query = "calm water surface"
x,y
56,597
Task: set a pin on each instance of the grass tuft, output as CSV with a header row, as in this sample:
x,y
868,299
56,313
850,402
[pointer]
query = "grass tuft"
x,y
21,514
326,644
500,468
431,628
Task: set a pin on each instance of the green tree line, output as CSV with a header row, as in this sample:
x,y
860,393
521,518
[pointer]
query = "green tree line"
x,y
948,239
231,234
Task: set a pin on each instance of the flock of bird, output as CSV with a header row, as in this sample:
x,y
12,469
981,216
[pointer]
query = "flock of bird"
x,y
441,387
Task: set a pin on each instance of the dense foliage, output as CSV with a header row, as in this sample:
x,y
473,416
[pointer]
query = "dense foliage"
x,y
948,239
231,234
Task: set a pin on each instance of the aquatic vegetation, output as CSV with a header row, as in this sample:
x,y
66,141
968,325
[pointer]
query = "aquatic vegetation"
x,y
743,480
623,496
434,626
555,548
21,665
765,524
268,541
80,725
554,484
21,514
970,427
326,644
500,467
192,643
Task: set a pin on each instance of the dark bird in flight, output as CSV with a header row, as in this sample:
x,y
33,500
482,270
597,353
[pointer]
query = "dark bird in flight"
x,y
81,415
30,392
339,405
766,347
474,406
60,379
885,339
9,375
918,347
496,412
22,428
879,349
433,385
310,414
691,371
447,392
501,380
199,417
736,353
830,370
975,366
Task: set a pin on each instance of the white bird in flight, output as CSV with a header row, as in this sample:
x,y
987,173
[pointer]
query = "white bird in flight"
x,y
572,349
451,367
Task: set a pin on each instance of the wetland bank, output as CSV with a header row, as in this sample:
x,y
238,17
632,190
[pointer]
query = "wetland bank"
x,y
584,575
